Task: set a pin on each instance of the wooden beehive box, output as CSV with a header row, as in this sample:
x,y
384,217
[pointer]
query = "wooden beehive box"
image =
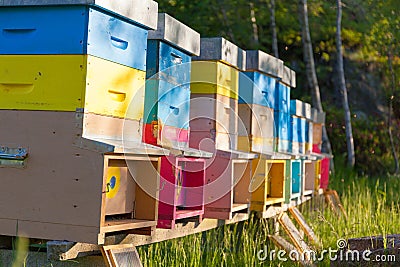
x,y
312,175
181,190
69,187
318,119
282,110
268,184
214,99
256,102
167,100
228,177
296,175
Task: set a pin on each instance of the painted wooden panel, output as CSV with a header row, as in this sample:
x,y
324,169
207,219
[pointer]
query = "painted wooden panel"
x,y
68,82
281,120
256,144
42,30
172,137
100,127
213,112
167,103
296,176
42,82
309,137
210,77
71,172
211,141
257,88
288,182
114,90
181,190
167,63
227,188
309,176
57,170
325,173
317,133
256,128
282,98
268,183
120,191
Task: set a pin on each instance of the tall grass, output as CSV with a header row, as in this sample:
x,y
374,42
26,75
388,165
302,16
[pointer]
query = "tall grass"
x,y
372,205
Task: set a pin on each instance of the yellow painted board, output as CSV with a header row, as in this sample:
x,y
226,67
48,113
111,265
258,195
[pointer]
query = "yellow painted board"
x,y
42,82
317,175
255,144
114,90
210,77
276,177
68,82
257,184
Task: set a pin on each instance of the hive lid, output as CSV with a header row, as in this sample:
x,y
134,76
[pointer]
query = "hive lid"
x,y
143,12
307,111
258,60
289,77
220,49
296,108
317,117
177,34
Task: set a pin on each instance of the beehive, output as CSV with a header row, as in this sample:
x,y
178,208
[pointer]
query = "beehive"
x,y
167,100
296,178
181,190
268,183
282,110
228,176
214,99
65,93
256,102
64,189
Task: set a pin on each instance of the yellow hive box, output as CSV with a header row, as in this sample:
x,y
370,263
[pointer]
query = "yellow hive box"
x,y
210,77
68,82
267,184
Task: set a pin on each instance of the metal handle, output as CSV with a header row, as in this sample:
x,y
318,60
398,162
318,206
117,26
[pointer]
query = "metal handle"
x,y
13,153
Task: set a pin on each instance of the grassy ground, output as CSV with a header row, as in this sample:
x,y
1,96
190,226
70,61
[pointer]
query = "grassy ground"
x,y
372,204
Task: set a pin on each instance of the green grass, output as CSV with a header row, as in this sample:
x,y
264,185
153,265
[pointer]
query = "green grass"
x,y
372,205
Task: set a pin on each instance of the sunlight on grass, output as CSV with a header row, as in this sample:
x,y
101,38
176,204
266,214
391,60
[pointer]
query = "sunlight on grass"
x,y
372,205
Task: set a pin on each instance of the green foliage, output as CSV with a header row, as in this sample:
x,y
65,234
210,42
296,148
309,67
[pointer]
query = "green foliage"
x,y
371,142
370,28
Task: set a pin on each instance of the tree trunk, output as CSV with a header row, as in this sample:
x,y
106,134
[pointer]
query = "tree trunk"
x,y
343,89
254,24
310,71
393,82
273,29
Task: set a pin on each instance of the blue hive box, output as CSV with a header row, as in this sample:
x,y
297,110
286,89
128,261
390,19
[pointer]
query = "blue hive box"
x,y
53,30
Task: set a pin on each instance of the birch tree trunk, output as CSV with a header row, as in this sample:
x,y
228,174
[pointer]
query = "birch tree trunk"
x,y
342,87
393,82
254,24
273,29
310,71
